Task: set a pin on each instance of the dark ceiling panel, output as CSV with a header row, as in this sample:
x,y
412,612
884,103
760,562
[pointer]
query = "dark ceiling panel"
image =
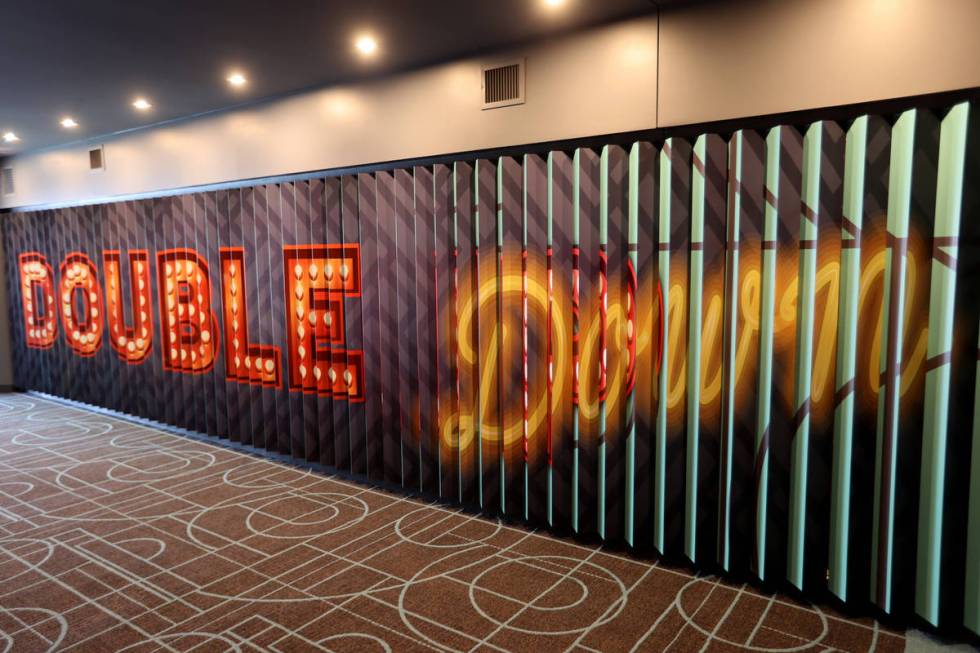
x,y
90,58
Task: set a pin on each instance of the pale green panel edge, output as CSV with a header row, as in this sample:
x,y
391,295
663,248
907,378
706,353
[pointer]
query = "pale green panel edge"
x,y
695,290
942,298
663,271
459,451
603,245
855,158
551,222
576,210
501,462
766,335
477,403
899,198
799,462
632,236
728,392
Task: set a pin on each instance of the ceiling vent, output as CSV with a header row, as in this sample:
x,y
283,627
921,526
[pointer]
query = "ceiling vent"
x,y
503,84
7,181
96,159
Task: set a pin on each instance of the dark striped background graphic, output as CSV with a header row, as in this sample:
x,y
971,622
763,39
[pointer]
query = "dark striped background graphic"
x,y
480,354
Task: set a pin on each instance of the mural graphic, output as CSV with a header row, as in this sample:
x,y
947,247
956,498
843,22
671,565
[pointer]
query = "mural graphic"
x,y
757,351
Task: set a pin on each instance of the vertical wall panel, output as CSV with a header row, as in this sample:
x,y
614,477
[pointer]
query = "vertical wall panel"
x,y
487,340
388,320
89,388
294,230
133,223
326,200
745,318
317,415
195,239
282,210
588,330
852,219
426,327
961,528
14,289
180,393
674,246
562,348
510,360
183,239
117,394
371,323
467,334
781,236
645,332
276,416
228,226
217,413
37,237
939,363
914,337
268,212
886,467
619,379
53,249
31,226
802,377
253,209
822,387
406,300
535,340
446,408
713,165
704,369
353,333
335,355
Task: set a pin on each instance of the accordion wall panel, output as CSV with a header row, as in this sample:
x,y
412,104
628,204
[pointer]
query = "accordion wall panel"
x,y
754,350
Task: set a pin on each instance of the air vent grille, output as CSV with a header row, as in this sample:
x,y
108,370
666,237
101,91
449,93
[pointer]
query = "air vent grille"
x,y
96,158
503,85
7,181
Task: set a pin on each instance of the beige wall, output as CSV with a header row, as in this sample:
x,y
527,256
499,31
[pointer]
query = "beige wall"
x,y
597,82
733,59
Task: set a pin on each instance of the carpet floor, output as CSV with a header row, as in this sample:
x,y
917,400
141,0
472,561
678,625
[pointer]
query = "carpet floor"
x,y
119,537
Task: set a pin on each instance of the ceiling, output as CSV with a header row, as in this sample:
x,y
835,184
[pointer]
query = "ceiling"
x,y
90,59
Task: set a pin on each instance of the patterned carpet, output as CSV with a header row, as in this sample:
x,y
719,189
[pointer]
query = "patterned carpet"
x,y
119,537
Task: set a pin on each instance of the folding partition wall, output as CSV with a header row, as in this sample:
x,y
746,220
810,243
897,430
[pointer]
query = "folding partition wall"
x,y
756,350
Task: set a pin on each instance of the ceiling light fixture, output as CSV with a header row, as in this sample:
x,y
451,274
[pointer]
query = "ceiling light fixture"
x,y
141,104
10,137
68,123
237,79
366,44
554,3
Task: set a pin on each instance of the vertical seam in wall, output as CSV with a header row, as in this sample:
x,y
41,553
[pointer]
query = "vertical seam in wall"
x,y
656,109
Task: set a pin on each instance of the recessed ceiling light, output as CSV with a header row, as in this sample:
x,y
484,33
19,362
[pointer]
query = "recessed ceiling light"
x,y
237,79
366,45
141,104
10,137
68,123
554,3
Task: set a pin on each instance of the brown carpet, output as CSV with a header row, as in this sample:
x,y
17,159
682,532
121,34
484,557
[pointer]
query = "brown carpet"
x,y
115,537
